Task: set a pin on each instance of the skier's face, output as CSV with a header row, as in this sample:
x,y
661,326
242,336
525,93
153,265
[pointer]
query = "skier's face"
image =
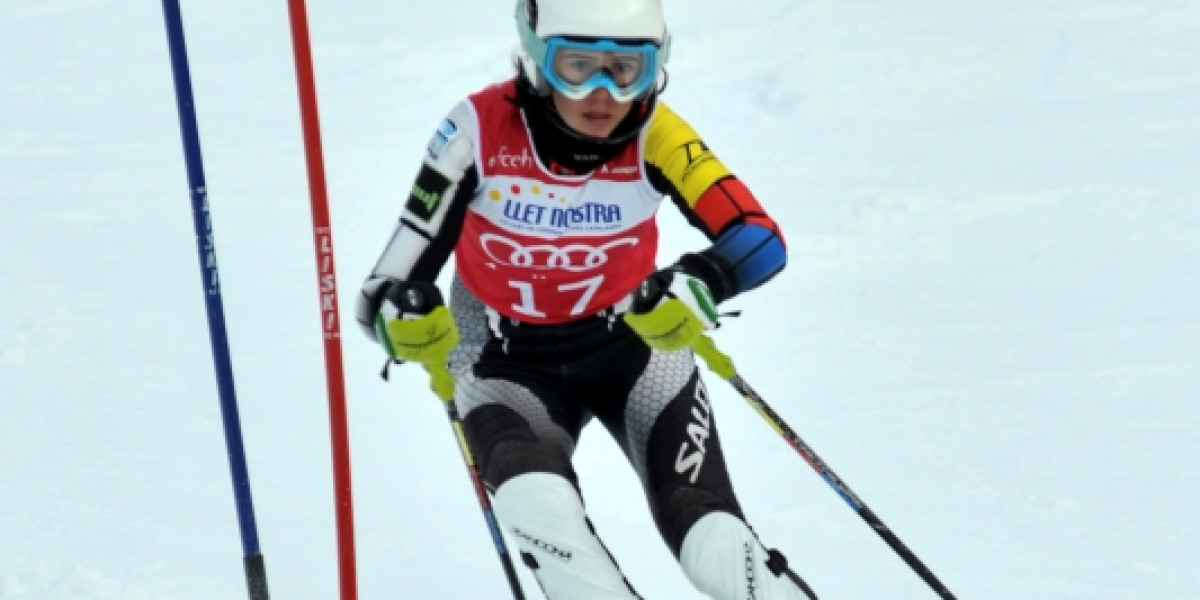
x,y
596,115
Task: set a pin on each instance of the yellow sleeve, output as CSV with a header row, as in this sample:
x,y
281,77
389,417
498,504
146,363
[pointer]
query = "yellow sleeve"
x,y
684,159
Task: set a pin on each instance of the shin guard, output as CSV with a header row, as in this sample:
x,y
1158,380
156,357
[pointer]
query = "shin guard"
x,y
724,560
545,515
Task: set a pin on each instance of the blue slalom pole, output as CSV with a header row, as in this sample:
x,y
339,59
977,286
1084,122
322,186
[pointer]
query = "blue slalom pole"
x,y
256,576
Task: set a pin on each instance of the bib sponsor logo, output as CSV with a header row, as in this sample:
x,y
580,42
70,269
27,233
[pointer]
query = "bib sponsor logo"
x,y
505,159
591,215
570,257
624,170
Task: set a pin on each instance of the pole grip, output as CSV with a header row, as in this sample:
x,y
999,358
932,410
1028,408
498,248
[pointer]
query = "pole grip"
x,y
717,361
441,381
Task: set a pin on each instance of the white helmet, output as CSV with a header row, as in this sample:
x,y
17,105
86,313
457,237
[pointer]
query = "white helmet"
x,y
618,20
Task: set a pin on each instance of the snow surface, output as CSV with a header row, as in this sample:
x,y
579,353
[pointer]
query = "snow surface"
x,y
990,325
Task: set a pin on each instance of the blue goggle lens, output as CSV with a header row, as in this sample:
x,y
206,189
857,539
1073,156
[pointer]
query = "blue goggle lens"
x,y
577,68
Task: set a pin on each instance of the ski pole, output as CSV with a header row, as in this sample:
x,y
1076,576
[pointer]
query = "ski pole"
x,y
722,365
256,575
443,387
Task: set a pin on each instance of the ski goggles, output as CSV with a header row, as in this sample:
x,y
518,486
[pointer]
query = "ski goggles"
x,y
578,68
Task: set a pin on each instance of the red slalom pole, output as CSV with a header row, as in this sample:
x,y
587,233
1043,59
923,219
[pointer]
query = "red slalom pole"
x,y
327,284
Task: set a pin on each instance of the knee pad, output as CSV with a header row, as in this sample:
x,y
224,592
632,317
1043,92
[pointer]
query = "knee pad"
x,y
544,514
505,446
723,559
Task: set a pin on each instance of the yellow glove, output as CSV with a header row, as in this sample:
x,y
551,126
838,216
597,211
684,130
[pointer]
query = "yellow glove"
x,y
413,324
672,310
427,339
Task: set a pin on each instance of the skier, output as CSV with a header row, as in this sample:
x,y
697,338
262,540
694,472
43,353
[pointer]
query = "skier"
x,y
545,188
